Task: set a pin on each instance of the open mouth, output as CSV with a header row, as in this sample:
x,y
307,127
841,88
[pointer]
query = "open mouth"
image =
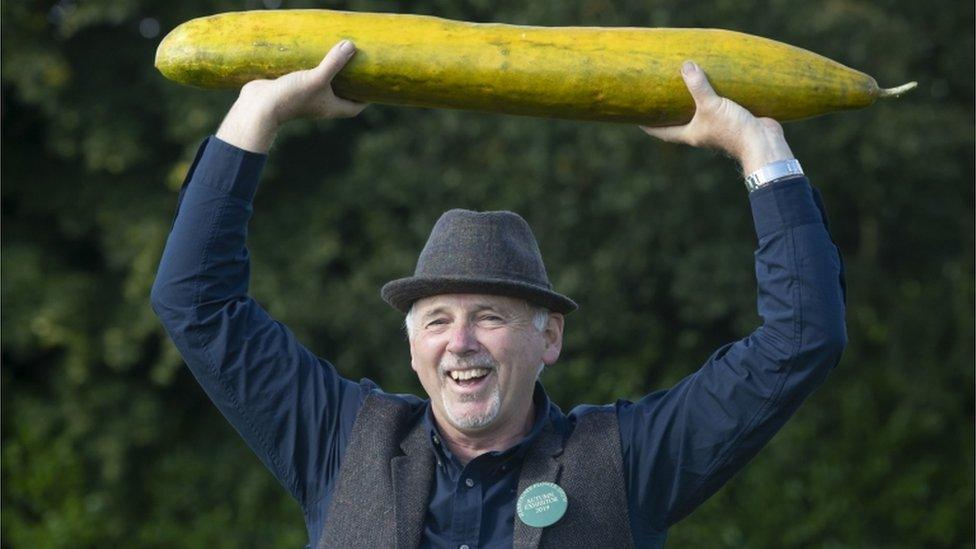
x,y
469,379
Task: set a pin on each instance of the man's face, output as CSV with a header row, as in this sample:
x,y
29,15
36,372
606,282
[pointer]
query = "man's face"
x,y
478,357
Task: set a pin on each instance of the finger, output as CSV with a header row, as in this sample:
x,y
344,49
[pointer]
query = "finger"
x,y
698,85
673,134
344,108
332,63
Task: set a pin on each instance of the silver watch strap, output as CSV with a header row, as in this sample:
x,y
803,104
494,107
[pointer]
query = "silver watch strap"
x,y
773,171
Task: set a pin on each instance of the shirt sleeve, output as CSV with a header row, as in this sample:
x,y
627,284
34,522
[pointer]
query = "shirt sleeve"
x,y
291,407
681,445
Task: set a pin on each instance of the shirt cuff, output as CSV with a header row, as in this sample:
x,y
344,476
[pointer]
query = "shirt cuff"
x,y
782,205
227,168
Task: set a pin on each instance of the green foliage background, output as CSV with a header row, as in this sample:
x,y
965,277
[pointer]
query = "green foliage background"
x,y
106,439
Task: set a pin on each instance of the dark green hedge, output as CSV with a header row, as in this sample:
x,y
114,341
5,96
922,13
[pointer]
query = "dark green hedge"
x,y
106,439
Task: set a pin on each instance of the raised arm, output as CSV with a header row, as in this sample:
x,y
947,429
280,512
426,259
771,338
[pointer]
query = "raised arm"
x,y
291,407
683,444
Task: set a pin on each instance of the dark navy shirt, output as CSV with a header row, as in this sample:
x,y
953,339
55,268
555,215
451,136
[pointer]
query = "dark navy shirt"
x,y
476,503
679,445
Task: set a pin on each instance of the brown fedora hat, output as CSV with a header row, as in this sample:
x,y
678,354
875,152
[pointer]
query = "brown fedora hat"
x,y
479,253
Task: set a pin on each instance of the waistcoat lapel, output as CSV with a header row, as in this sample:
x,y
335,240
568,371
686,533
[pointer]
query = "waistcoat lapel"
x,y
540,465
412,475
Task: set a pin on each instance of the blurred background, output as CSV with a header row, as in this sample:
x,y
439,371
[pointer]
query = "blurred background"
x,y
107,439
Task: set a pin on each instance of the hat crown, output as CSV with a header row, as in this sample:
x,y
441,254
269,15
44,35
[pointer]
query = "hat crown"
x,y
498,244
479,253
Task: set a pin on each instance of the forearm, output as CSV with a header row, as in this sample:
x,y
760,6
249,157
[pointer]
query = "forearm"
x,y
250,124
798,267
204,263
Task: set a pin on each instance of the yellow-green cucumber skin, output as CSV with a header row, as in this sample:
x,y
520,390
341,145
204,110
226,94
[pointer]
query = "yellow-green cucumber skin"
x,y
585,73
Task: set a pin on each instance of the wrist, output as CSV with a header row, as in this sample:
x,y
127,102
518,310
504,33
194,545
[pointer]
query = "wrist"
x,y
763,147
249,125
774,171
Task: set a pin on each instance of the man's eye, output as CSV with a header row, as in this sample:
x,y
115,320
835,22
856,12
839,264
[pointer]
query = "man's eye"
x,y
437,322
492,318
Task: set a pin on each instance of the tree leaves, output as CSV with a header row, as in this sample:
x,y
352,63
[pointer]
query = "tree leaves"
x,y
108,439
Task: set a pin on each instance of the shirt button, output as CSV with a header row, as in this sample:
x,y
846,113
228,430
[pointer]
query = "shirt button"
x,y
436,440
469,483
463,547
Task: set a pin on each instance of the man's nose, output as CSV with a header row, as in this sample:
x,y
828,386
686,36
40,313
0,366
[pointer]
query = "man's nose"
x,y
463,340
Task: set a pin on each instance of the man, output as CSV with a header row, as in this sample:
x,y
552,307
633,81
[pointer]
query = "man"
x,y
488,461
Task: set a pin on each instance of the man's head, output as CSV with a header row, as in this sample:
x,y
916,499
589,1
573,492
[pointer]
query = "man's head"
x,y
482,317
478,356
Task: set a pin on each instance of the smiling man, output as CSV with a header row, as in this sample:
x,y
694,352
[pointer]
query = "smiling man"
x,y
487,460
454,349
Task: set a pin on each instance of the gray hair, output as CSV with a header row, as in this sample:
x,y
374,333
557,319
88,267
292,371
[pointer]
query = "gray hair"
x,y
540,317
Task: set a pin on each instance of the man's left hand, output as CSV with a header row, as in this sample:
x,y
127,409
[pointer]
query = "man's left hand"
x,y
723,124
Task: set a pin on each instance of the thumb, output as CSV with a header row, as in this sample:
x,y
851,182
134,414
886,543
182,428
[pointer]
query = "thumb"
x,y
671,134
333,62
701,90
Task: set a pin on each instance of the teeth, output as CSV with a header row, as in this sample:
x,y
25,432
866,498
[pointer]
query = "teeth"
x,y
460,375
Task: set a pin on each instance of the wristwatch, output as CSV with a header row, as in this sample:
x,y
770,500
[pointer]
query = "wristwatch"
x,y
771,172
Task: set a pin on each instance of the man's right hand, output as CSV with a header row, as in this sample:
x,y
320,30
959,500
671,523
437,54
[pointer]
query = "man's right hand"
x,y
264,105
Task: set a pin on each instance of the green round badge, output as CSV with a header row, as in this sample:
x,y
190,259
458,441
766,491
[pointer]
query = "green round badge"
x,y
542,504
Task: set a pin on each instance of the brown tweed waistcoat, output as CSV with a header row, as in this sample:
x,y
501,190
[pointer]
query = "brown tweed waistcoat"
x,y
386,477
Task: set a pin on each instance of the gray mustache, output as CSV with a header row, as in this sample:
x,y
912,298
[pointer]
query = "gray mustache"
x,y
463,363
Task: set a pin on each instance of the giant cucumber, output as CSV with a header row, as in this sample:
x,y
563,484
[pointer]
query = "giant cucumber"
x,y
586,73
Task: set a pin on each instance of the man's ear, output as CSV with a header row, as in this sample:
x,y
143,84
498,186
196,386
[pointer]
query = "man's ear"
x,y
553,338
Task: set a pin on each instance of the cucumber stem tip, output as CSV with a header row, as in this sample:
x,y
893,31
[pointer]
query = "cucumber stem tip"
x,y
898,90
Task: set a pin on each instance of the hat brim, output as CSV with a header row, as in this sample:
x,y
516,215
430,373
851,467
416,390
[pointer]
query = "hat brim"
x,y
403,292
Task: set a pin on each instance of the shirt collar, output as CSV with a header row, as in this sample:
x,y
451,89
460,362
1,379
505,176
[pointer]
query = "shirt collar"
x,y
542,405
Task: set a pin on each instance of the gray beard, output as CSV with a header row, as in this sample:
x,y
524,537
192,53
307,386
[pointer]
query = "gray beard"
x,y
474,421
470,421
